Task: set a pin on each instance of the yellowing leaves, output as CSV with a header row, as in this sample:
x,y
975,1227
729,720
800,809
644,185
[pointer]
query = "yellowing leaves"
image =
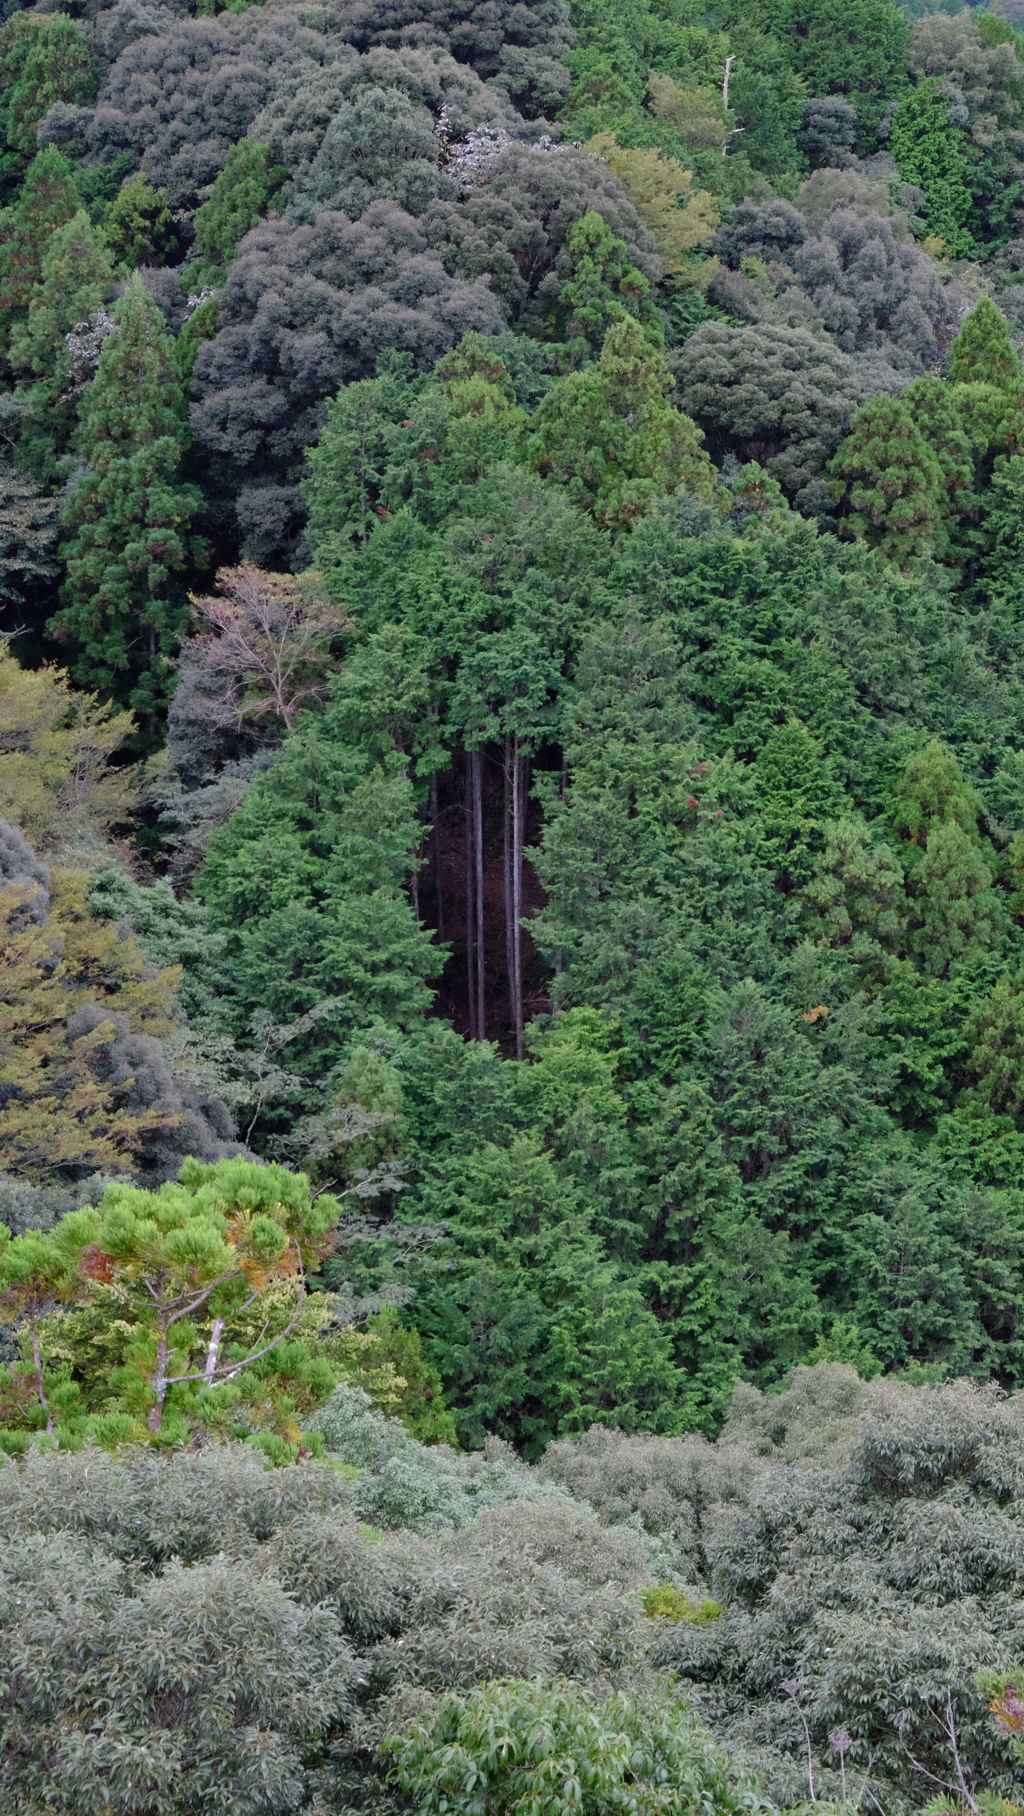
x,y
680,217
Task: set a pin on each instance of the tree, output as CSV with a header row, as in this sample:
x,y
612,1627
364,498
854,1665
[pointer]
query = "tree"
x,y
610,437
857,50
137,224
524,1745
269,648
57,781
890,482
663,195
195,1257
44,202
242,192
981,352
44,59
56,345
604,287
780,396
933,153
129,518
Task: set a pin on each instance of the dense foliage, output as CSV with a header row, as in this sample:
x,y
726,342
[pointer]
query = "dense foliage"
x,y
511,903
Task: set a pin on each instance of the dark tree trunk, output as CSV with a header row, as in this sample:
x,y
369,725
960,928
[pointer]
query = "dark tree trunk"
x,y
470,903
435,852
478,865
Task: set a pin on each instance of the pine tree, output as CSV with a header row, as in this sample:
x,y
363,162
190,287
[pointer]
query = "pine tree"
x,y
128,517
890,481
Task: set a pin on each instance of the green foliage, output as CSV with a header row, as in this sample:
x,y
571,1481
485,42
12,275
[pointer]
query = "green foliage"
x,y
666,1603
44,59
933,153
241,195
518,1746
610,437
890,482
45,201
137,224
981,352
128,514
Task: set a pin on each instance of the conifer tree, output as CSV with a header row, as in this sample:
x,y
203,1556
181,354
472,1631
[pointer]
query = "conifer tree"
x,y
43,58
890,481
76,281
604,288
933,153
138,224
45,201
981,353
128,515
241,194
609,435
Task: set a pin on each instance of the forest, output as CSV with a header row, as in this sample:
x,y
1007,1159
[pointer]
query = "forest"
x,y
511,907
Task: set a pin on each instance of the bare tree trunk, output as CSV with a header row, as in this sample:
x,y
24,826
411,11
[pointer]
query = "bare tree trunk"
x,y
508,760
478,842
470,904
414,891
519,764
435,842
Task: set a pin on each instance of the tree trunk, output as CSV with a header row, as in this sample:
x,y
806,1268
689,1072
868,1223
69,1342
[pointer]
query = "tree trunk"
x,y
509,758
37,1363
154,1418
435,847
470,904
478,857
518,805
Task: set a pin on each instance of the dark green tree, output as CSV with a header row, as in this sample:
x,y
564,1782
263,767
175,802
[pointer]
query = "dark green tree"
x,y
889,481
129,516
45,201
138,225
43,58
610,436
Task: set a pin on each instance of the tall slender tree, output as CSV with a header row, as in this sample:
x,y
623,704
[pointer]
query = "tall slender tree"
x,y
129,516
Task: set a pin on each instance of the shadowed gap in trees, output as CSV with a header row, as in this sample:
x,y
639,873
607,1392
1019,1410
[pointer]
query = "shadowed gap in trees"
x,y
475,887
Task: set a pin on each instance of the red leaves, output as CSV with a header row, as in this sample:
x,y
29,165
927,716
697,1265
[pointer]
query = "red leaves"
x,y
96,1264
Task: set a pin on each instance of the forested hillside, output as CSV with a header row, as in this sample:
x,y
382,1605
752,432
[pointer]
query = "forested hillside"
x,y
512,886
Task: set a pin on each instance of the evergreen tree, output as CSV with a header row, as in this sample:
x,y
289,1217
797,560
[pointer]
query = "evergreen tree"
x,y
76,282
933,153
44,59
45,201
138,225
604,288
241,194
890,481
981,352
608,434
128,516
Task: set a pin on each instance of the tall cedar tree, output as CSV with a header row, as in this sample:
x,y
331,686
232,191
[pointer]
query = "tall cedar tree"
x,y
128,516
890,480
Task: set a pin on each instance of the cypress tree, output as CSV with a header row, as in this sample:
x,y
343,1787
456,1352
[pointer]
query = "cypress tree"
x,y
128,516
45,201
981,353
890,480
933,153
